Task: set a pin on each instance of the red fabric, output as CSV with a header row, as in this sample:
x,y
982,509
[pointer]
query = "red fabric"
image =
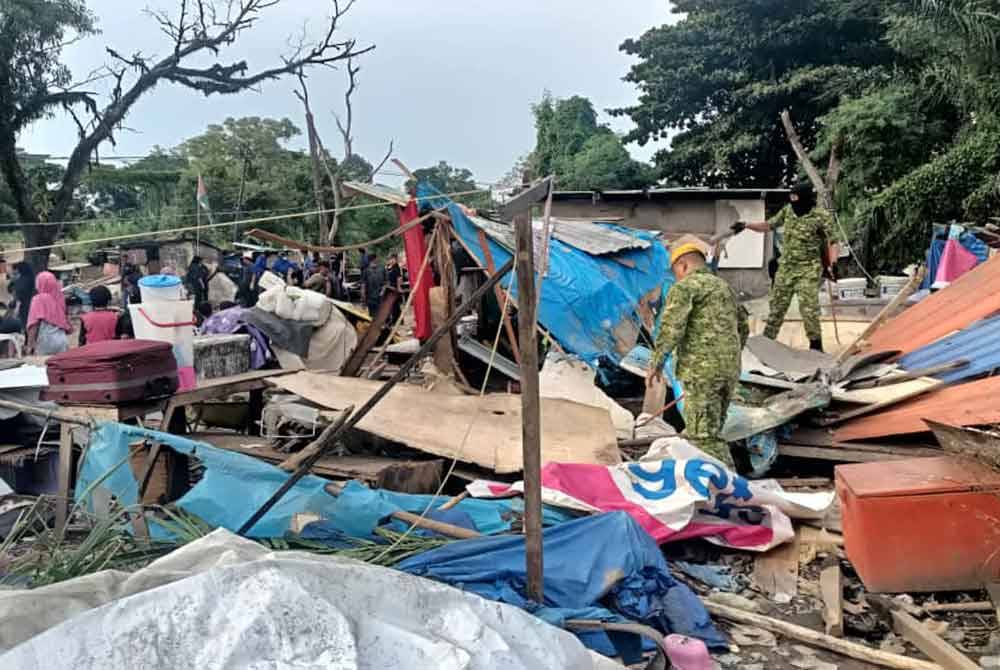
x,y
416,249
100,325
48,303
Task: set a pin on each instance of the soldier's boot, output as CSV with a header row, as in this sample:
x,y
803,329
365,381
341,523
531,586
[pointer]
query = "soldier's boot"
x,y
816,345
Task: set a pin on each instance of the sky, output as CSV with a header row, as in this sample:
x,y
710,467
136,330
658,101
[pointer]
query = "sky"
x,y
450,80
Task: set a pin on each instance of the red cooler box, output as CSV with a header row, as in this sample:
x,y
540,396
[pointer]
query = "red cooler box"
x,y
114,371
921,524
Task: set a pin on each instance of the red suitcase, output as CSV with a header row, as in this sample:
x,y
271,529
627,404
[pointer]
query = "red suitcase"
x,y
113,371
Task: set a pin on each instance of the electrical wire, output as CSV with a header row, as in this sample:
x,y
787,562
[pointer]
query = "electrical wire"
x,y
242,222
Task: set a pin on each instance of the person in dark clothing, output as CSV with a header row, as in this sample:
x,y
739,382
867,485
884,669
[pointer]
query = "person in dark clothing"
x,y
131,274
394,279
22,289
373,280
366,260
322,281
246,296
196,280
101,323
201,312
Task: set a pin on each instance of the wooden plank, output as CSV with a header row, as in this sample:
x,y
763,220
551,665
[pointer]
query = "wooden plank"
x,y
447,529
531,412
846,455
65,474
930,643
353,365
832,589
807,635
885,395
889,380
522,202
498,292
979,606
993,588
776,573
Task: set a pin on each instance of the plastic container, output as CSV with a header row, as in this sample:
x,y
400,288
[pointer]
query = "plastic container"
x,y
851,289
889,287
169,321
159,288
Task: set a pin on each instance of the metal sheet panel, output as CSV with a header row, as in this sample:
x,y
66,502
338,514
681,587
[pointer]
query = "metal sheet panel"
x,y
974,296
970,404
979,344
387,193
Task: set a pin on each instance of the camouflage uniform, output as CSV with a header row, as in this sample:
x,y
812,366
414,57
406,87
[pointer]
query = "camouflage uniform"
x,y
800,269
705,328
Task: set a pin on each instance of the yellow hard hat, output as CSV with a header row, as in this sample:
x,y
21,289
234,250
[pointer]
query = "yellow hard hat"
x,y
684,250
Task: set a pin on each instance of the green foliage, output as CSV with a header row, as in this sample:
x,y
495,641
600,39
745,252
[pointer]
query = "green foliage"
x,y
717,80
579,151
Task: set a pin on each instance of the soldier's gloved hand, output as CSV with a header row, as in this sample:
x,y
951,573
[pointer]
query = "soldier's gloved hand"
x,y
738,227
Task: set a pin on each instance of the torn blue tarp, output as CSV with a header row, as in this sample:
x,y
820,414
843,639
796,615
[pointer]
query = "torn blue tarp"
x,y
979,344
589,303
604,561
234,486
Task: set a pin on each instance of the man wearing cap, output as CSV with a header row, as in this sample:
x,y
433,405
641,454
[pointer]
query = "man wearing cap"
x,y
705,329
806,231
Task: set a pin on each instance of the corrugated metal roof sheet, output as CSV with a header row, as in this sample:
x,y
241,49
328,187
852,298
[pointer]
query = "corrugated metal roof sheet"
x,y
387,193
593,238
974,296
667,192
971,404
979,344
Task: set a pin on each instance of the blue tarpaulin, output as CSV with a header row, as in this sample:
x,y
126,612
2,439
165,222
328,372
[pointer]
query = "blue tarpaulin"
x,y
234,486
584,298
604,562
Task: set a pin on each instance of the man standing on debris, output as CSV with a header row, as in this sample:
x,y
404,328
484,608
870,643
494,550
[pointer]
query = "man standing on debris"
x,y
806,232
705,329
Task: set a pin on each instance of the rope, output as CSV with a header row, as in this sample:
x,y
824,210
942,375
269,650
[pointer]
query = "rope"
x,y
242,222
465,438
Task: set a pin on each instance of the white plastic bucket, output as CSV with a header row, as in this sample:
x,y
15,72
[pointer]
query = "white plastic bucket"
x,y
851,289
891,286
173,322
159,288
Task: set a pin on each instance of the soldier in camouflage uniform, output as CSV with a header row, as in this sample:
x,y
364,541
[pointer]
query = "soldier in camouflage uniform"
x,y
806,230
705,328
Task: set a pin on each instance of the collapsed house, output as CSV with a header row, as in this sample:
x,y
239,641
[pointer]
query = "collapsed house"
x,y
322,439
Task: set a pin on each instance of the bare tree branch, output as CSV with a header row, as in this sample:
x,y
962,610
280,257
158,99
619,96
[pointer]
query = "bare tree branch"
x,y
317,174
381,164
814,176
833,168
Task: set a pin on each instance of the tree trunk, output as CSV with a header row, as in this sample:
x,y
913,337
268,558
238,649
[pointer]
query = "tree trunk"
x,y
20,191
38,236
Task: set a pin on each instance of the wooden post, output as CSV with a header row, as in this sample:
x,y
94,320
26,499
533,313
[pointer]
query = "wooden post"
x,y
65,476
531,445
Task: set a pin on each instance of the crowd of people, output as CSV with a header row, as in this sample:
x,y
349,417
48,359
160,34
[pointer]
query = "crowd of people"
x,y
37,308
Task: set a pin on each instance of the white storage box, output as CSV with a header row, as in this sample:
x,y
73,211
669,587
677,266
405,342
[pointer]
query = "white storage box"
x,y
851,289
889,287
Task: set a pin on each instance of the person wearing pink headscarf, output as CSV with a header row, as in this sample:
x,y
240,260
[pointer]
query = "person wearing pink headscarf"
x,y
47,321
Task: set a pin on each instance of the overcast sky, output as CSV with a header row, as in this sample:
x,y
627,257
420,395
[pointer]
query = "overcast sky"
x,y
449,80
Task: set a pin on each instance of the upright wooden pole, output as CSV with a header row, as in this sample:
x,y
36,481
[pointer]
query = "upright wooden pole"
x,y
531,444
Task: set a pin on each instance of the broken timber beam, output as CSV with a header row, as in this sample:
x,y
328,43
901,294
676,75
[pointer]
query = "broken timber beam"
x,y
931,643
353,365
447,529
808,636
377,397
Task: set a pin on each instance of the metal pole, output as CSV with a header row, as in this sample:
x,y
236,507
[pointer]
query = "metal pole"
x,y
531,444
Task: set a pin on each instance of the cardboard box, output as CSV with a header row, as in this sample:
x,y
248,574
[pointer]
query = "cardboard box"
x,y
922,524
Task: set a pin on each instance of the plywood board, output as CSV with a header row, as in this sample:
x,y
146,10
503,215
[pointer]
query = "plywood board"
x,y
437,423
776,573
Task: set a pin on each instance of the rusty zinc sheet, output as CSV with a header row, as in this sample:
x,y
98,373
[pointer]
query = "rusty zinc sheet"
x,y
974,296
970,404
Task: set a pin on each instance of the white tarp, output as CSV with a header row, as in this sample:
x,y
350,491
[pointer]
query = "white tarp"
x,y
224,602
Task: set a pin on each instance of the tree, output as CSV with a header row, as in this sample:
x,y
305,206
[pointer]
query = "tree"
x,y
716,81
34,83
450,181
579,151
